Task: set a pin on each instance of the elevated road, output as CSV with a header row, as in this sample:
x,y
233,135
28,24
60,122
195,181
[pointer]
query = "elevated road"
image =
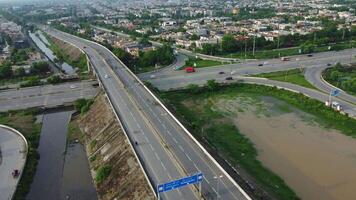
x,y
46,95
13,152
165,147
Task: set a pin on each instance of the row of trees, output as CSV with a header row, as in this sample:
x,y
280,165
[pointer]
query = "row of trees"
x,y
38,68
161,56
308,42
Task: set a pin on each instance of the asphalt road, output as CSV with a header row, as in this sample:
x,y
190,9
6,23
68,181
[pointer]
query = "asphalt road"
x,y
12,148
166,150
46,95
314,76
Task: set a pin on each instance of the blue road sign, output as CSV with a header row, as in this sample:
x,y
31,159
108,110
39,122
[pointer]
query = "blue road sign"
x,y
180,183
335,93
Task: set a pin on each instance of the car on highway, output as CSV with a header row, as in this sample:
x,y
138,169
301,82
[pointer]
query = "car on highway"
x,y
153,76
106,76
260,64
310,55
229,78
221,72
72,86
329,64
15,173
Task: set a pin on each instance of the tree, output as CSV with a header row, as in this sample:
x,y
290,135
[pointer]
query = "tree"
x,y
19,72
54,79
212,85
39,67
5,72
194,37
307,47
229,44
145,41
210,49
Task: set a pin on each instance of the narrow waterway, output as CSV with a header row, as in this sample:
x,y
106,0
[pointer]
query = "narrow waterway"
x,y
40,40
59,173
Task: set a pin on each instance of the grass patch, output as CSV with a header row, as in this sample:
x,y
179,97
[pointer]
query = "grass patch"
x,y
80,64
226,138
343,77
102,173
295,76
74,132
24,121
200,63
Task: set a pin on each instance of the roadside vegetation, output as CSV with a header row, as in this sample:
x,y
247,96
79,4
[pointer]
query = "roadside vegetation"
x,y
79,63
30,77
102,173
343,77
201,63
222,135
83,105
295,76
24,121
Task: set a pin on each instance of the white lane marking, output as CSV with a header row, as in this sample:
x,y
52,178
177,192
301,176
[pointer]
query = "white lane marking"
x,y
175,140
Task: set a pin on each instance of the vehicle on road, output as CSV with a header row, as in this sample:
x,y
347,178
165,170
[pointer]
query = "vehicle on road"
x,y
228,78
106,76
335,105
189,69
15,173
329,64
260,64
72,86
285,59
221,72
153,76
310,55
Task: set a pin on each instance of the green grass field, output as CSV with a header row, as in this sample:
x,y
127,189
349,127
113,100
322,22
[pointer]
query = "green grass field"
x,y
294,76
200,63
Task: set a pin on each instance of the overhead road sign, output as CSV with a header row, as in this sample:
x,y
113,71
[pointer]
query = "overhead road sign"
x,y
180,183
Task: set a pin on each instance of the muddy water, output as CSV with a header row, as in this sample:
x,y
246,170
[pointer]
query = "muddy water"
x,y
315,162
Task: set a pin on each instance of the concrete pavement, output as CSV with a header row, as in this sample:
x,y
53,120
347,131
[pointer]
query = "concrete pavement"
x,y
166,150
13,150
46,95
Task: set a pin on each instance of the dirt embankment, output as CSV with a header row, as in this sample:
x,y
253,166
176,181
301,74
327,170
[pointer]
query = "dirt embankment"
x,y
107,145
73,52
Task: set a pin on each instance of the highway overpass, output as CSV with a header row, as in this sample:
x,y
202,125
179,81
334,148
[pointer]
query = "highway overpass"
x,y
165,148
46,96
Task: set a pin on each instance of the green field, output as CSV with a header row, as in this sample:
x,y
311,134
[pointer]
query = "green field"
x,y
195,110
24,121
295,76
200,63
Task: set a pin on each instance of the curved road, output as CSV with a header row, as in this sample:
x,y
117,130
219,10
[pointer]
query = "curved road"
x,y
165,149
13,151
314,76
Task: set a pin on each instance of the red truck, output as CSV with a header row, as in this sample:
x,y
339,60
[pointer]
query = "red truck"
x,y
189,69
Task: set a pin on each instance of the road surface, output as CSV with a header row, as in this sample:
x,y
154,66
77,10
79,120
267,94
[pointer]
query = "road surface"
x,y
166,150
314,76
13,150
46,95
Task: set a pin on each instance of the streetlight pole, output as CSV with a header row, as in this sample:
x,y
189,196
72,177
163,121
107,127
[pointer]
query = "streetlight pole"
x,y
217,185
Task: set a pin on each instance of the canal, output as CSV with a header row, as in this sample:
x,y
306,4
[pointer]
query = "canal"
x,y
62,172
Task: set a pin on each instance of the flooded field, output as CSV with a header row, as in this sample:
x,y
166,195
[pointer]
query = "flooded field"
x,y
317,163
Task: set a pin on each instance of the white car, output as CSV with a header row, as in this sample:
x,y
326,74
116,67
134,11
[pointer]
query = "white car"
x,y
72,86
106,76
